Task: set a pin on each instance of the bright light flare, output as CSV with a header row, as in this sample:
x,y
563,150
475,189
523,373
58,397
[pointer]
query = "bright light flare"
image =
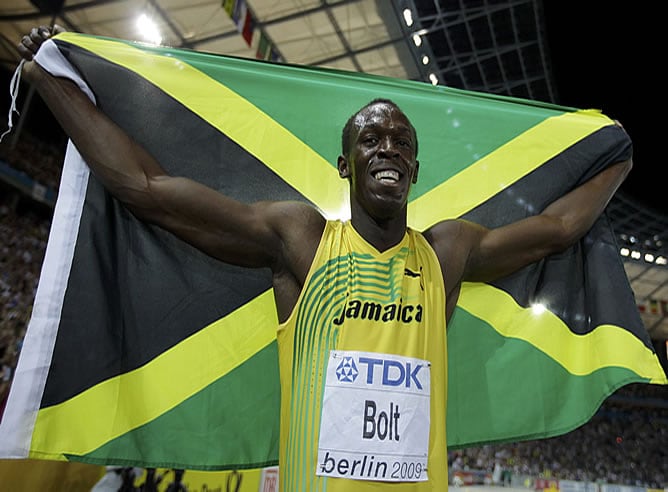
x,y
148,29
538,308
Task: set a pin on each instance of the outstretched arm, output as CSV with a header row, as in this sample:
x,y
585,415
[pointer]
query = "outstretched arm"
x,y
471,252
248,235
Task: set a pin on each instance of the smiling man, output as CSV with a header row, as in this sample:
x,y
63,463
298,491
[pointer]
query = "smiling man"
x,y
363,304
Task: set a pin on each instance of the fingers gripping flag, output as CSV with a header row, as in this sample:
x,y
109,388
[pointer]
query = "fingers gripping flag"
x,y
142,350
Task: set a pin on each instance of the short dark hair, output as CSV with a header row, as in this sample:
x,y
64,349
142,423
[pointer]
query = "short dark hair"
x,y
348,127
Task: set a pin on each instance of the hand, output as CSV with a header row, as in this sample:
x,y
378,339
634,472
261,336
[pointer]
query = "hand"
x,y
30,43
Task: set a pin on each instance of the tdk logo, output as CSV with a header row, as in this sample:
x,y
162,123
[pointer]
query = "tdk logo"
x,y
347,371
386,372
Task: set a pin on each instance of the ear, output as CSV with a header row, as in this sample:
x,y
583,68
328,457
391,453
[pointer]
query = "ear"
x,y
342,165
415,174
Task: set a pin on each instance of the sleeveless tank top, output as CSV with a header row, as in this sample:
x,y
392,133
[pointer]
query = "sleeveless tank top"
x,y
367,330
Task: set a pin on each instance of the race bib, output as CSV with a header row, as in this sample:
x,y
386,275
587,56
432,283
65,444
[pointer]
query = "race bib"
x,y
375,417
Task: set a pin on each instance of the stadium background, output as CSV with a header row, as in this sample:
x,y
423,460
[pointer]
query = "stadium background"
x,y
549,51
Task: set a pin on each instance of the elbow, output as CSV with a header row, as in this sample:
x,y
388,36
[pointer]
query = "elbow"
x,y
565,241
140,200
559,233
568,233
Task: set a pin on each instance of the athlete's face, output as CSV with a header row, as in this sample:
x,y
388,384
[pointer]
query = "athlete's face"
x,y
381,165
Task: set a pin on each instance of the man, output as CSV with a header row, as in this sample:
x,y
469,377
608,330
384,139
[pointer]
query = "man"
x,y
362,305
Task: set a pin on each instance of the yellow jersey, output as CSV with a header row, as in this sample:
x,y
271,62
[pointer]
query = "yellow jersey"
x,y
363,369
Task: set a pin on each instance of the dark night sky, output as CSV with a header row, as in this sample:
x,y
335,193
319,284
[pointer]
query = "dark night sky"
x,y
602,58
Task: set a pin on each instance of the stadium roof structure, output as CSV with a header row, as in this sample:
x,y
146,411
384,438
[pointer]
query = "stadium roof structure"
x,y
495,46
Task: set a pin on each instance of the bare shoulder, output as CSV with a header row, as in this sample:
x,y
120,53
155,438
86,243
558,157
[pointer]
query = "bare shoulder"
x,y
454,242
299,226
448,236
294,217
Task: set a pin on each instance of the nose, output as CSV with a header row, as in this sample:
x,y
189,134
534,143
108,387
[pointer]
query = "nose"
x,y
387,147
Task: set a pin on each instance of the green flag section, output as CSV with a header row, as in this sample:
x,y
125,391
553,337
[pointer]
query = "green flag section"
x,y
144,351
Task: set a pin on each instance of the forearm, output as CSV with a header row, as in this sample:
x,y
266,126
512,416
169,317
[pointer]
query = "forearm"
x,y
122,165
578,210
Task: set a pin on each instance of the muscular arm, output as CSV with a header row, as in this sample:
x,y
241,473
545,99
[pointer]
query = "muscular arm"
x,y
222,227
263,234
470,252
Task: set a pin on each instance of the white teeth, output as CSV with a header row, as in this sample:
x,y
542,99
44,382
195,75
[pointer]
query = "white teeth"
x,y
387,175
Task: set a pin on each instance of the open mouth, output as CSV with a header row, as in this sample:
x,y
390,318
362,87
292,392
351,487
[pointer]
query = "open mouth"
x,y
387,176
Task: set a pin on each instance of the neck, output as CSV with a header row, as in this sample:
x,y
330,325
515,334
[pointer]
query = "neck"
x,y
382,234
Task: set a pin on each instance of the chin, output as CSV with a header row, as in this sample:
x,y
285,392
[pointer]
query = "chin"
x,y
389,209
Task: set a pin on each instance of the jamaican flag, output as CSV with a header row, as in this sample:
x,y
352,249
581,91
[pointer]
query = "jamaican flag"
x,y
143,351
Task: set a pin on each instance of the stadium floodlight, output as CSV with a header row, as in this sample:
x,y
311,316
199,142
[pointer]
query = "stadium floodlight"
x,y
408,17
148,29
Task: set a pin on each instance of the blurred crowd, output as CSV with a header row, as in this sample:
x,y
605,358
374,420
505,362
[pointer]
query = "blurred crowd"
x,y
24,230
23,236
20,154
625,443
